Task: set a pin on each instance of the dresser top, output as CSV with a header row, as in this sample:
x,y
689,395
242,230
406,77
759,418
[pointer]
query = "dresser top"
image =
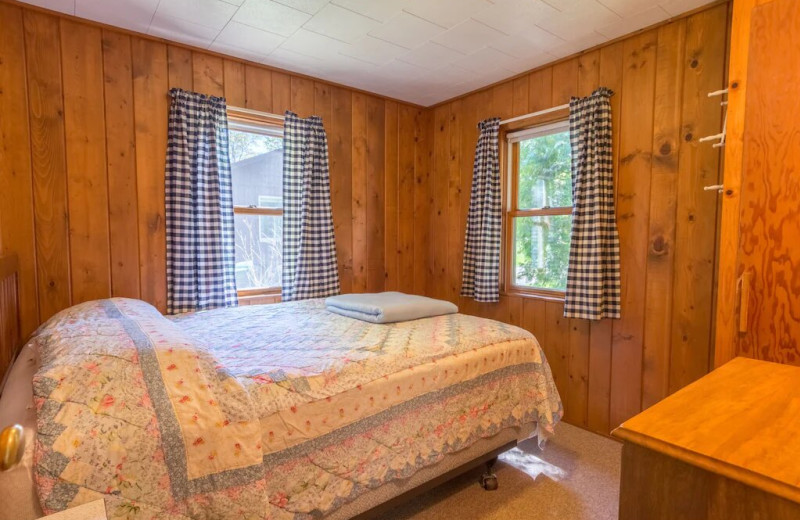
x,y
741,421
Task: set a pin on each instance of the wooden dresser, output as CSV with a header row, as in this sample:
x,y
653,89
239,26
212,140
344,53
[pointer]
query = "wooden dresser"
x,y
726,447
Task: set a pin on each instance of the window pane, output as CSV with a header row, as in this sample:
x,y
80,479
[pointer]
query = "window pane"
x,y
256,169
544,172
541,251
259,241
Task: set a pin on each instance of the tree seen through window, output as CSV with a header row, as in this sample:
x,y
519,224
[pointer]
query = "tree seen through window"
x,y
541,217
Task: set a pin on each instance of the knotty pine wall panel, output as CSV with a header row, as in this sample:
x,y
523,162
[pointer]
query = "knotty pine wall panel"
x,y
608,371
82,150
16,186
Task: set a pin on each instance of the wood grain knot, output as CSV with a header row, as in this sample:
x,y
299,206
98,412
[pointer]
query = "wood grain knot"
x,y
154,223
665,149
688,137
659,247
694,64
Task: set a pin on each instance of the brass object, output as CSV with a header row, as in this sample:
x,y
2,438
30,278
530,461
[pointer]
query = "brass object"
x,y
11,442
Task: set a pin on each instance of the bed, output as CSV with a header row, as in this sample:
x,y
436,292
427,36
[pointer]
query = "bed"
x,y
282,411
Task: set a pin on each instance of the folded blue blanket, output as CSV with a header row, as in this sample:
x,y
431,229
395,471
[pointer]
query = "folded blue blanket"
x,y
387,307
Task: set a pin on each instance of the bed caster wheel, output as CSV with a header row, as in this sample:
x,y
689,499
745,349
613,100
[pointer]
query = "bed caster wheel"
x,y
489,481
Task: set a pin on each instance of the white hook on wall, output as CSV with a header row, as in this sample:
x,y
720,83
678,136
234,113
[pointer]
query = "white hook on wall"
x,y
720,137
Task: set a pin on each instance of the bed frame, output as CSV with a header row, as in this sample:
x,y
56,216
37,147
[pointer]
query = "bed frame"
x,y
10,333
11,437
388,497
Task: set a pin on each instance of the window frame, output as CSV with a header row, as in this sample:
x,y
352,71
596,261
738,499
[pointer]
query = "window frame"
x,y
244,120
510,167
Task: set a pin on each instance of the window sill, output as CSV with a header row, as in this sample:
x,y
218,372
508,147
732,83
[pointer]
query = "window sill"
x,y
254,296
264,291
550,296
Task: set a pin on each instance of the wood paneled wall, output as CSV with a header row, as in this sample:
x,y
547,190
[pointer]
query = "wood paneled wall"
x,y
609,370
83,141
83,136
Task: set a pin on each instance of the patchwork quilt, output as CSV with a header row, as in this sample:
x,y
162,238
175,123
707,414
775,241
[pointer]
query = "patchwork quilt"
x,y
282,411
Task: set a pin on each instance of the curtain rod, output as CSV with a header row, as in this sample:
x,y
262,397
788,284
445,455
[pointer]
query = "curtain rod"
x,y
256,112
505,121
537,113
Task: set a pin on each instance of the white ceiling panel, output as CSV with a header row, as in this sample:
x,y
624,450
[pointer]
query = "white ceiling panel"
x,y
572,46
446,13
532,62
399,71
450,75
431,56
564,5
271,16
249,38
293,61
468,36
578,20
307,6
345,67
486,59
527,44
134,15
313,44
514,16
341,24
182,31
374,51
628,7
210,13
380,11
407,30
422,51
628,25
678,7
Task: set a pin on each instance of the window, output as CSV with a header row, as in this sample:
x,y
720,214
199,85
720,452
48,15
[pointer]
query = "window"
x,y
539,215
256,152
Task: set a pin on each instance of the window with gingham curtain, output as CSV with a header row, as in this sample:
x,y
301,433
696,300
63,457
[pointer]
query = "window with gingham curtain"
x,y
593,276
199,205
309,249
481,267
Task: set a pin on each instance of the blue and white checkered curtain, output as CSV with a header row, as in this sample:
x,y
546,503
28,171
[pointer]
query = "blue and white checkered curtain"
x,y
309,250
199,200
593,278
481,273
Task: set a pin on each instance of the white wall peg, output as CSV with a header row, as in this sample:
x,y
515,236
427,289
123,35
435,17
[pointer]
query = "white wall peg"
x,y
720,137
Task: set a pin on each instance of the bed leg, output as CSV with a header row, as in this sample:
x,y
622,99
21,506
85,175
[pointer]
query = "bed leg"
x,y
489,479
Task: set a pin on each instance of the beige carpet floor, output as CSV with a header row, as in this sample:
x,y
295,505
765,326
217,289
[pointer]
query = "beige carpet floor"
x,y
575,477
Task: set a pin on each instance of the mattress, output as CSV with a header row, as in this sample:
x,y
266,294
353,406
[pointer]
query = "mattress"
x,y
279,411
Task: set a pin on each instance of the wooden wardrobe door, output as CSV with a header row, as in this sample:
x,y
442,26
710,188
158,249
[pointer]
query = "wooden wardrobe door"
x,y
769,240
